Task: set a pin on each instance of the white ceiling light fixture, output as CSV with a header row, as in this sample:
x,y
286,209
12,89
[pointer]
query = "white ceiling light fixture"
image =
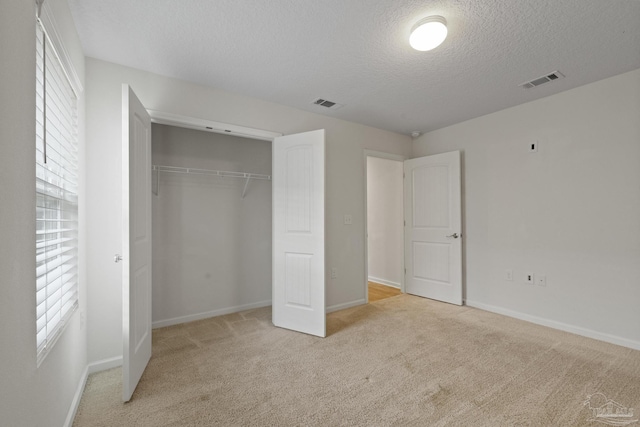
x,y
428,33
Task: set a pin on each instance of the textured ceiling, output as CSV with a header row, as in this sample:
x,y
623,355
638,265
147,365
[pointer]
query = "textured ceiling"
x,y
356,52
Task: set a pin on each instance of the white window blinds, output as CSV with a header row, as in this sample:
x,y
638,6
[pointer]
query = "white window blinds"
x,y
56,195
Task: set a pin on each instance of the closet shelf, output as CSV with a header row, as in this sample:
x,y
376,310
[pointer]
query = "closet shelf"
x,y
211,172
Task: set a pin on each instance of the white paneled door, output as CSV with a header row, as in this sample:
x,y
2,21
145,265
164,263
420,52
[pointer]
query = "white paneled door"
x,y
433,228
136,226
298,233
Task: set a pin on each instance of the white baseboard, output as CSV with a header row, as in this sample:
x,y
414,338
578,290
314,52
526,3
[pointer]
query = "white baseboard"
x,y
103,365
91,368
207,314
76,398
342,306
613,339
384,282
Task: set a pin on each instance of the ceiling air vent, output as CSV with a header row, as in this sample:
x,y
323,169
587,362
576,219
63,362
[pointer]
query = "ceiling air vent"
x,y
327,104
542,80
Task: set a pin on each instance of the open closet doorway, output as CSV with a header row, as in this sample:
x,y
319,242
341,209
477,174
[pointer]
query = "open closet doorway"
x,y
211,219
384,225
297,205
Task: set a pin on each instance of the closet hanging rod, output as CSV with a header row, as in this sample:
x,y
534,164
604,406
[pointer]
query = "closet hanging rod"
x,y
210,172
195,171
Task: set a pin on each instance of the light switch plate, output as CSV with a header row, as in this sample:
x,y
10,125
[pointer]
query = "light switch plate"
x,y
508,275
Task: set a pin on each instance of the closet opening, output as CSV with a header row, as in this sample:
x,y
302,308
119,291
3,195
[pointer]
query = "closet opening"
x,y
385,226
211,228
211,224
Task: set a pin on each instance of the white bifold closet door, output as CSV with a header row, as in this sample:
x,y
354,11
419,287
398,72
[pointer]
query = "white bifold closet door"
x,y
136,251
298,178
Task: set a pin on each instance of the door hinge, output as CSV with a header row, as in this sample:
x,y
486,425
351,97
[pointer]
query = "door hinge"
x,y
405,222
405,271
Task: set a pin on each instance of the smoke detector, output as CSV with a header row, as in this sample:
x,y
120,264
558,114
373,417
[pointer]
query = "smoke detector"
x,y
542,80
327,104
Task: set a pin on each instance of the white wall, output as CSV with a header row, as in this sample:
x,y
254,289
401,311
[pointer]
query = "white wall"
x,y
570,211
30,395
344,153
385,221
211,247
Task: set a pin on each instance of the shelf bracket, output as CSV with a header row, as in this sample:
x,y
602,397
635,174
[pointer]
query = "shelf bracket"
x,y
246,184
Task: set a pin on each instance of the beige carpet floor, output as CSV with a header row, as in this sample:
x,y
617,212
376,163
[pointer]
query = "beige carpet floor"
x,y
400,361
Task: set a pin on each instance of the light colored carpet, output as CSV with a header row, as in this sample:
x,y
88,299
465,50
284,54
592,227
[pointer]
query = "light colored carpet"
x,y
400,361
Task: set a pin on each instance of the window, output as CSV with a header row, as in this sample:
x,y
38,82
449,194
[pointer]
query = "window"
x,y
56,195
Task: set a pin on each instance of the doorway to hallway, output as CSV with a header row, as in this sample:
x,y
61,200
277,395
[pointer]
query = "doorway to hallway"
x,y
385,226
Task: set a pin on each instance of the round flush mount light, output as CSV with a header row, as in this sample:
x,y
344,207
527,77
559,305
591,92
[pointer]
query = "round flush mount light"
x,y
428,33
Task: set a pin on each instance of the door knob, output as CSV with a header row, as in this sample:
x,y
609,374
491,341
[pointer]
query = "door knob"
x,y
117,258
454,235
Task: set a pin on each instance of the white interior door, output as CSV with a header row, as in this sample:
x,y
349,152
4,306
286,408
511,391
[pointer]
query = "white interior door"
x,y
433,238
136,227
298,233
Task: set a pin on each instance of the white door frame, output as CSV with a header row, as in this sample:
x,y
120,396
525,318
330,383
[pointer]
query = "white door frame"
x,y
380,155
164,118
205,125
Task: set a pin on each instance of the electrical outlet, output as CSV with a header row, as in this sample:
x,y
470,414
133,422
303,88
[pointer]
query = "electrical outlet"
x,y
348,220
541,280
334,272
528,278
508,275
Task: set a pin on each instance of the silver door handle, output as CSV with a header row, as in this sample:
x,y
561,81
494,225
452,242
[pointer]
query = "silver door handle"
x,y
454,235
117,258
